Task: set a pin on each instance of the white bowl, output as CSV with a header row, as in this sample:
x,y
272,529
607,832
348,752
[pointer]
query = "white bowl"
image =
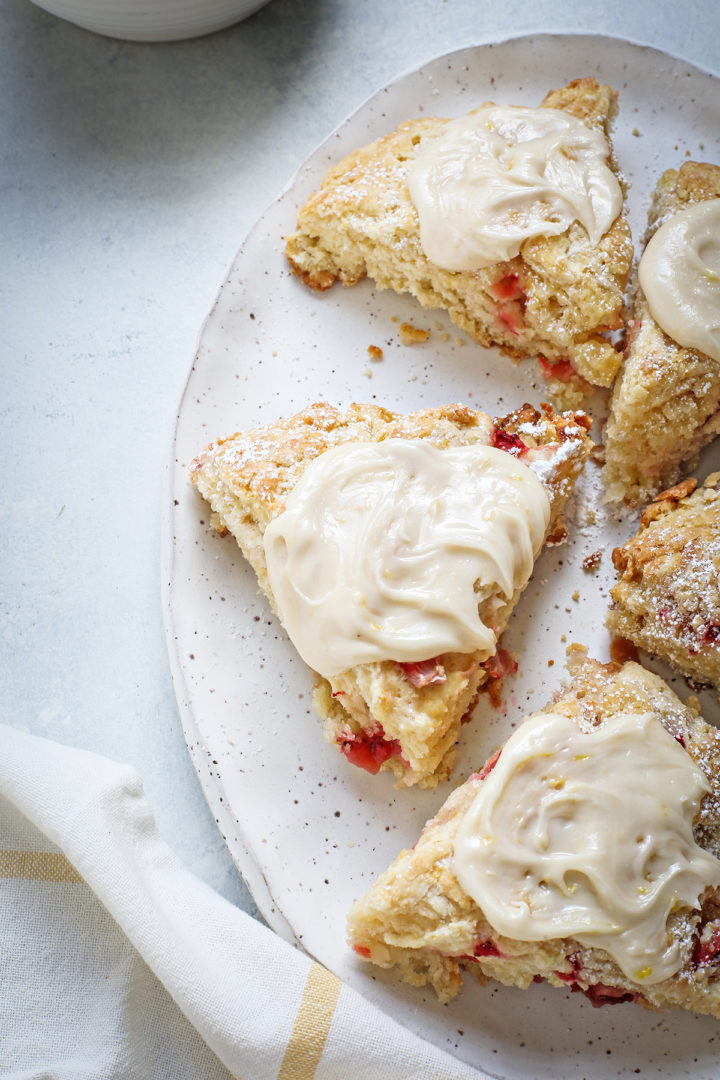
x,y
152,20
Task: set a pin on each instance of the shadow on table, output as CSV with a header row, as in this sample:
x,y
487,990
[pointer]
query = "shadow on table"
x,y
102,103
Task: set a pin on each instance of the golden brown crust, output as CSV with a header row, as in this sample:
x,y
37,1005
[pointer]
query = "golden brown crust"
x,y
417,917
565,294
586,99
667,599
666,402
247,478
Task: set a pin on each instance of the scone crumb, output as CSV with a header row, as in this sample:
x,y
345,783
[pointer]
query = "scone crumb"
x,y
591,562
622,650
576,595
558,536
217,523
375,352
679,491
494,692
412,335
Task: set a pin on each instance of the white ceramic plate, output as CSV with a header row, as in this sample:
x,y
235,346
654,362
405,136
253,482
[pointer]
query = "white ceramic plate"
x,y
308,831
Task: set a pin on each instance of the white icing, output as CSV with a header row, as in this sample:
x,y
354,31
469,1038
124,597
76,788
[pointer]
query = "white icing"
x,y
385,550
680,276
505,174
589,835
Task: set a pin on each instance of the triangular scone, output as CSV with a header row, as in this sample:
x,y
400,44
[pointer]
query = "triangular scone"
x,y
666,402
667,599
381,714
419,919
556,299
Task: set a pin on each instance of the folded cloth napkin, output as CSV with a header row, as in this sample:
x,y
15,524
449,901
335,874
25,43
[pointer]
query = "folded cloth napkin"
x,y
116,963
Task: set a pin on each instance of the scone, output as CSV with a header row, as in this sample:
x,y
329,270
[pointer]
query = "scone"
x,y
667,599
666,401
402,713
556,299
595,851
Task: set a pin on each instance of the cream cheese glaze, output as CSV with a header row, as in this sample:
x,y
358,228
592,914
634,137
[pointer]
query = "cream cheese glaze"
x,y
589,835
505,174
384,550
680,275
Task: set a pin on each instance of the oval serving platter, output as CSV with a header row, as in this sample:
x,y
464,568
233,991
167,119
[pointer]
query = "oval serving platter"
x,y
309,832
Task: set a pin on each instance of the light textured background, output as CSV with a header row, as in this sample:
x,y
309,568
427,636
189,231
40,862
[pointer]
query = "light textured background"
x,y
130,175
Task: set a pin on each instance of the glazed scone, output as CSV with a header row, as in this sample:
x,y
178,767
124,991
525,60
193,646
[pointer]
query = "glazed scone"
x,y
403,717
666,402
419,919
556,299
667,599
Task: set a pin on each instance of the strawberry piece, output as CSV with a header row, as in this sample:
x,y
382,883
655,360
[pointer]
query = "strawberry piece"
x,y
486,948
599,994
707,952
483,948
370,750
501,664
558,369
507,288
511,443
570,976
511,319
424,672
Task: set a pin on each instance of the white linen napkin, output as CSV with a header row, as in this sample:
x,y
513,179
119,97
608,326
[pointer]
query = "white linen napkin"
x,y
113,956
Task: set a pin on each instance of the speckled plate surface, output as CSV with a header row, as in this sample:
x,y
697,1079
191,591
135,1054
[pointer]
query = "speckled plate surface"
x,y
308,831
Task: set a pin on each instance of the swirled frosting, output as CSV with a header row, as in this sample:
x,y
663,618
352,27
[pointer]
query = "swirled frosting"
x,y
385,550
589,835
505,174
680,275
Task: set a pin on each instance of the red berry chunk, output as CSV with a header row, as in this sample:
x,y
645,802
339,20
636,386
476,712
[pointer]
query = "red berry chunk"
x,y
600,994
486,948
708,951
507,288
370,750
424,672
501,664
509,316
510,443
560,369
570,976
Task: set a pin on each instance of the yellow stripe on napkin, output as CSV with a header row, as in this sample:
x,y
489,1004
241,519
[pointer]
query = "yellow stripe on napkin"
x,y
37,866
312,1025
